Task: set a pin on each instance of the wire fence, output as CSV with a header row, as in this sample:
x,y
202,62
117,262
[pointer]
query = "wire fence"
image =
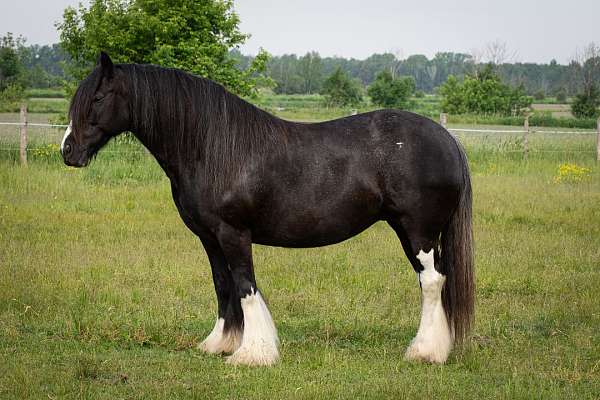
x,y
526,140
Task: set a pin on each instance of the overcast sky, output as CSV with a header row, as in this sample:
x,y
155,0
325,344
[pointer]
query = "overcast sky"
x,y
535,31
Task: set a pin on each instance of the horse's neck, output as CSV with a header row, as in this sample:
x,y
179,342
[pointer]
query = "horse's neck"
x,y
169,164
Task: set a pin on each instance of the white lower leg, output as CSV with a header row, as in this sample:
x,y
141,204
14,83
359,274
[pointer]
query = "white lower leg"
x,y
259,339
221,341
433,341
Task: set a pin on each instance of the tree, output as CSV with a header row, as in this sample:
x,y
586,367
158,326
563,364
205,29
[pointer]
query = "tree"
x,y
585,104
283,70
586,74
310,70
192,35
482,94
11,67
419,67
585,68
340,90
498,53
11,70
391,92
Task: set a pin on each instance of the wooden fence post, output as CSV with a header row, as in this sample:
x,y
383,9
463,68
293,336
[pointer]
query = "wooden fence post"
x,y
444,120
598,140
526,137
23,134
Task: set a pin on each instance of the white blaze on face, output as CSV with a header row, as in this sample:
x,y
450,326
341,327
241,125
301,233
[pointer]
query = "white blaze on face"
x,y
259,340
433,341
67,133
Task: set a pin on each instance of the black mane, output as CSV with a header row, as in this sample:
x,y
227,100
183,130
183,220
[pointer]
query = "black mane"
x,y
190,119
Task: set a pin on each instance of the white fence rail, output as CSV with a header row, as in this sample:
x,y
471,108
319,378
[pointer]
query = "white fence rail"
x,y
23,124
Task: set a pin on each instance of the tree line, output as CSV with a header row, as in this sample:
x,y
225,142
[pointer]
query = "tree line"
x,y
204,38
292,74
305,74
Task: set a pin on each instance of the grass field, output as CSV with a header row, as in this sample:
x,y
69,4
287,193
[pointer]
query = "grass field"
x,y
104,293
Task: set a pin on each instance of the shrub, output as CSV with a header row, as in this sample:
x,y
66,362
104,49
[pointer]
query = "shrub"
x,y
11,97
340,90
387,91
585,105
561,95
539,95
483,93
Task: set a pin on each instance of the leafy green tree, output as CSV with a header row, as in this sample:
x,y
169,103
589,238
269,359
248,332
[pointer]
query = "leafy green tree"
x,y
11,67
311,72
11,71
482,94
340,90
192,35
43,65
391,92
585,105
421,69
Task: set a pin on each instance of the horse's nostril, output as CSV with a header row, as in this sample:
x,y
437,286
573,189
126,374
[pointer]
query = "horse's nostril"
x,y
67,149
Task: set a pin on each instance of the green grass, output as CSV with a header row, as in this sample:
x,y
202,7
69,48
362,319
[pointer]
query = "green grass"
x,y
39,105
50,93
104,293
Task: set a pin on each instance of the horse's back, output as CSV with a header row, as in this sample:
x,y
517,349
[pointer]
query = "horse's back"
x,y
397,144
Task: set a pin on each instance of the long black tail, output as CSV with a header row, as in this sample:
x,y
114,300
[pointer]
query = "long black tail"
x,y
457,261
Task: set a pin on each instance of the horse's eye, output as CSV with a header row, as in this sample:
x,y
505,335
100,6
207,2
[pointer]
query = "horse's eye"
x,y
98,97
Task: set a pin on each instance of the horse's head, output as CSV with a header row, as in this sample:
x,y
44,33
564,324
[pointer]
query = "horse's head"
x,y
99,111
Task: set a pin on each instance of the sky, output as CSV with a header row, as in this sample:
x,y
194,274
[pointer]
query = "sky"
x,y
533,31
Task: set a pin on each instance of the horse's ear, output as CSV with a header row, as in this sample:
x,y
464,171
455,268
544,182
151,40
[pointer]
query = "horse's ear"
x,y
106,64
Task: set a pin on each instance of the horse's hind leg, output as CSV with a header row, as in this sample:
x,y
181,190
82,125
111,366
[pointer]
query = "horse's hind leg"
x,y
420,240
226,335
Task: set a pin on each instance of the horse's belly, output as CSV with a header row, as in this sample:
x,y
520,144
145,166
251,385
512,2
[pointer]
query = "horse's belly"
x,y
313,226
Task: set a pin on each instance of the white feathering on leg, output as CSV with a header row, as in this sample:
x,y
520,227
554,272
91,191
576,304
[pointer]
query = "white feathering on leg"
x,y
220,341
433,341
259,339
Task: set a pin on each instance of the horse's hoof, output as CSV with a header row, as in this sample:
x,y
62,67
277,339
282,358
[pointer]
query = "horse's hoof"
x,y
419,351
252,357
220,341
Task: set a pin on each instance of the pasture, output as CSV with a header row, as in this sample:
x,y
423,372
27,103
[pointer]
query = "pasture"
x,y
104,293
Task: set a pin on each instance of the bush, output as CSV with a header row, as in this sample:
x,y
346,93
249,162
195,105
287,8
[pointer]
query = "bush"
x,y
419,94
482,94
561,95
387,91
340,90
585,105
539,95
11,96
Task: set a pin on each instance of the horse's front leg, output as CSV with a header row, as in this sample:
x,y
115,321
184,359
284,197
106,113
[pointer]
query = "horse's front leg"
x,y
259,339
227,333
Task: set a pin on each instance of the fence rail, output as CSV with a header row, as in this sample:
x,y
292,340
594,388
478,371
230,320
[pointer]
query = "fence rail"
x,y
23,124
34,124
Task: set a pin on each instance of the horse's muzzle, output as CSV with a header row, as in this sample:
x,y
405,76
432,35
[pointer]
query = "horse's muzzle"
x,y
73,156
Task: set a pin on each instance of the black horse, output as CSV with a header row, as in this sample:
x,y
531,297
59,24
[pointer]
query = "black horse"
x,y
240,176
